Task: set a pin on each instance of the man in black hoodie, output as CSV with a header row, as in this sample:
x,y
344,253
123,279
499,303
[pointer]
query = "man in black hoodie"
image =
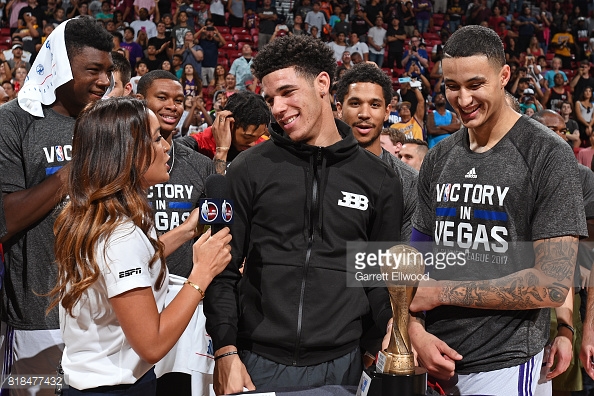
x,y
291,320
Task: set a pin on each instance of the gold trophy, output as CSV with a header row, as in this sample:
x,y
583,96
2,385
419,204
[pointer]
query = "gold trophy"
x,y
395,365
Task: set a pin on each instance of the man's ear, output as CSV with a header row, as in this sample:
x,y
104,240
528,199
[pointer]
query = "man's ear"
x,y
128,89
339,109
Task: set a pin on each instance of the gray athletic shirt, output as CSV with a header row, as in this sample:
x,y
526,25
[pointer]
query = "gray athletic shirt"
x,y
172,202
31,149
525,188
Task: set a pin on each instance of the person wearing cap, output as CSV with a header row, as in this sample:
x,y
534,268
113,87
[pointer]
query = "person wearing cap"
x,y
17,59
528,99
581,80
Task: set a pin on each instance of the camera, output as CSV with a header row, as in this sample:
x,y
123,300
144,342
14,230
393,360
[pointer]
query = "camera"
x,y
210,28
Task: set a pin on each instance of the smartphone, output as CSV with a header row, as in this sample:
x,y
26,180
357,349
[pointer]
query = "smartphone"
x,y
404,80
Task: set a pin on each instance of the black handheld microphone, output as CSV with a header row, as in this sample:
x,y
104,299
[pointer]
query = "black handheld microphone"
x,y
217,209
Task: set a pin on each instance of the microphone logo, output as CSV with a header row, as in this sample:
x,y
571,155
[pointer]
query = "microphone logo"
x,y
226,211
209,211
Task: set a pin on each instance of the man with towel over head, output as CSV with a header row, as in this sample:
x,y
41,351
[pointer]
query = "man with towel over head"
x,y
72,69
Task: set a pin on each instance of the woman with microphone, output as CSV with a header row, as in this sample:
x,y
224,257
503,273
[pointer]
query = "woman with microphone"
x,y
112,276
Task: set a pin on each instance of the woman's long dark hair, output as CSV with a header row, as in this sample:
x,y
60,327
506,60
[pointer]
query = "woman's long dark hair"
x,y
112,149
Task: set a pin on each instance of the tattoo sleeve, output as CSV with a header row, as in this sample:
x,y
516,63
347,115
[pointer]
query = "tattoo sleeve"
x,y
544,285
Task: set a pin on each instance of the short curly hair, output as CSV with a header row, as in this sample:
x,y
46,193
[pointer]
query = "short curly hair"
x,y
308,55
84,31
364,73
248,109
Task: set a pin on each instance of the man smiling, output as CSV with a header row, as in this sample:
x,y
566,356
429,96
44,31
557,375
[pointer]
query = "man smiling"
x,y
364,95
34,152
298,199
484,329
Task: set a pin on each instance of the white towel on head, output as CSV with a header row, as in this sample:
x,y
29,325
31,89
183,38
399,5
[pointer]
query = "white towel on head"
x,y
50,70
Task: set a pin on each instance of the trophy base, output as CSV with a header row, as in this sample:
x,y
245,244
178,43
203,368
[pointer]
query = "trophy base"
x,y
402,385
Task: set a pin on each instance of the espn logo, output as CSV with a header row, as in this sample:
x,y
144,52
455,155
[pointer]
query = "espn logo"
x,y
129,272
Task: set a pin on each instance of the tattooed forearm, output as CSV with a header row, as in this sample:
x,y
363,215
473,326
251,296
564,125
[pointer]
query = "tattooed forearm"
x,y
520,291
555,257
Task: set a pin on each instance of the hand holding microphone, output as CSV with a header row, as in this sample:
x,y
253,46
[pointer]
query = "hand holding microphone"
x,y
212,252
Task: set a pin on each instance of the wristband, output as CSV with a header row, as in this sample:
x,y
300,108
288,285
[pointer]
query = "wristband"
x,y
570,328
223,148
195,286
225,354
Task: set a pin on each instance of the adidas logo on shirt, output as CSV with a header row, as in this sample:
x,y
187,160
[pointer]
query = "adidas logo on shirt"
x,y
471,174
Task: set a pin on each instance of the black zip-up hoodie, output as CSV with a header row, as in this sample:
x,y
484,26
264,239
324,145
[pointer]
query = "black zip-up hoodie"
x,y
292,304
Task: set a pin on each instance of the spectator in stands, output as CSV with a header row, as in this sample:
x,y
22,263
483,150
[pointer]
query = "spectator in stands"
x,y
558,93
416,55
230,84
455,12
177,65
393,117
527,25
162,43
549,76
217,12
479,13
144,23
316,18
395,38
423,11
392,140
218,82
203,13
357,46
151,60
106,13
584,113
413,152
359,25
512,50
121,73
17,59
191,53
298,27
150,5
188,7
441,122
191,81
210,41
345,60
195,118
339,46
534,49
178,33
33,8
20,74
30,34
573,130
4,98
411,125
236,9
563,44
9,89
581,80
303,8
133,48
267,15
376,39
356,58
142,40
246,117
241,68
